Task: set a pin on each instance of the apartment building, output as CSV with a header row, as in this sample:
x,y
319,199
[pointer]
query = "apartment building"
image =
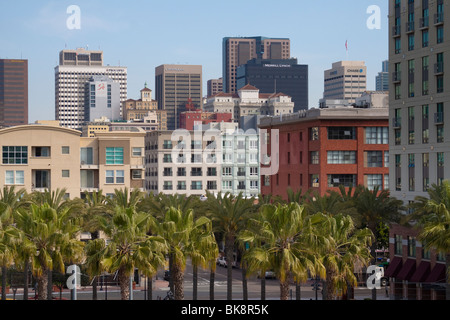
x,y
419,52
323,148
178,162
47,156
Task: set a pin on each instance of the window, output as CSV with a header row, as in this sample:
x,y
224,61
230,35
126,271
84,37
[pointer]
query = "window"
x,y
181,185
411,246
425,38
253,171
346,180
398,247
167,185
341,157
15,155
114,155
374,180
86,155
398,136
386,159
253,184
398,45
314,157
167,144
211,185
66,174
377,135
137,152
341,133
266,181
87,178
41,152
440,133
196,185
65,150
136,174
196,172
167,158
253,144
440,34
314,133
411,42
226,171
212,172
315,180
227,185
109,176
374,159
14,177
181,172
386,181
41,179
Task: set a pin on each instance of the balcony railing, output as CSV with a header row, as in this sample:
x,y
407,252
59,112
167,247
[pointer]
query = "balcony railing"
x,y
439,67
439,18
424,22
397,122
396,76
439,118
396,31
410,26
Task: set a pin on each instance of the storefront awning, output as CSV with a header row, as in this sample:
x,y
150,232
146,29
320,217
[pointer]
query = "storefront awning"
x,y
394,267
437,274
408,269
422,272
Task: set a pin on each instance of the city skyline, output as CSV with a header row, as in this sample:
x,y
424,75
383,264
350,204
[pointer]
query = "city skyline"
x,y
142,35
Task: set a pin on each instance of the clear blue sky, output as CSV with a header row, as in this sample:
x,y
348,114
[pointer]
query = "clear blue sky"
x,y
142,34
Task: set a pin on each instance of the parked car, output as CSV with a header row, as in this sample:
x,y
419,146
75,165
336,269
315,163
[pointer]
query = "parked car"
x,y
269,275
222,261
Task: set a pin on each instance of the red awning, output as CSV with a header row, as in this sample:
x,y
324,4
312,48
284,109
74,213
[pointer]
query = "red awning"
x,y
422,272
394,267
437,274
407,271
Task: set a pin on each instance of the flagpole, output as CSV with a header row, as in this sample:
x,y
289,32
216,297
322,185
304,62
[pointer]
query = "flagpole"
x,y
346,49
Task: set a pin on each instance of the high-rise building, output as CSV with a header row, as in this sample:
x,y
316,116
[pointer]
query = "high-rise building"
x,y
13,92
175,86
102,99
419,61
237,51
75,69
277,75
382,79
214,86
346,80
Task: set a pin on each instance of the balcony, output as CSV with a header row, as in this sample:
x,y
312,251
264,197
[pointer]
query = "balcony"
x,y
423,23
396,76
439,118
410,26
438,68
397,122
396,31
438,18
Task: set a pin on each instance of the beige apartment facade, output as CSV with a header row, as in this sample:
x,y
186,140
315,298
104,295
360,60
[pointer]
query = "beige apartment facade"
x,y
43,157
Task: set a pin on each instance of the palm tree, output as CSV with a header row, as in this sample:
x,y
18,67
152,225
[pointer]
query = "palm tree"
x,y
185,237
10,202
95,204
51,235
342,248
93,264
124,198
285,243
229,215
129,246
331,203
434,221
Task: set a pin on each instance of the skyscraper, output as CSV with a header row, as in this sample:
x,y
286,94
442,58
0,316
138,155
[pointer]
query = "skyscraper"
x,y
214,86
419,56
102,99
346,80
382,79
237,51
13,92
277,75
175,86
75,69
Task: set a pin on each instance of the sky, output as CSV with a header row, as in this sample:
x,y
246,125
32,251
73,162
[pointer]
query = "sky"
x,y
143,34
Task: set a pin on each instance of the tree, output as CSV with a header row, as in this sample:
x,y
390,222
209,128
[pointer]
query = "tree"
x,y
129,246
434,221
342,247
51,235
185,237
10,202
229,215
285,243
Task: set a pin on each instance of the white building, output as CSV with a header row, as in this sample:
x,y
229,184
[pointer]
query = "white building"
x,y
102,99
75,68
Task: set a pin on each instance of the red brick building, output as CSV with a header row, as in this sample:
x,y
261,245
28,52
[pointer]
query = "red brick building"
x,y
320,149
414,273
189,118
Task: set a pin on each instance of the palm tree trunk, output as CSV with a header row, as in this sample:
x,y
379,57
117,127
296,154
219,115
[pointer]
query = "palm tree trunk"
x,y
178,279
4,269
124,284
94,288
42,285
194,281
229,247
171,273
244,282
211,284
263,286
50,285
329,289
25,280
297,290
149,288
284,289
447,273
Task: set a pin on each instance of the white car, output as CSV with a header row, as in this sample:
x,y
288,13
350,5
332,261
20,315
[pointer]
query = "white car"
x,y
222,261
269,275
